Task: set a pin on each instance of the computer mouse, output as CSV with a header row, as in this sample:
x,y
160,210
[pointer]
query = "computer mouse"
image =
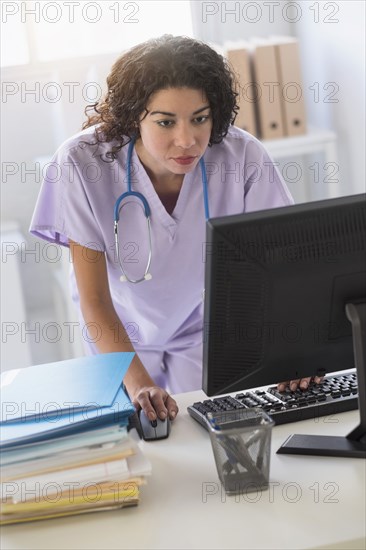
x,y
153,429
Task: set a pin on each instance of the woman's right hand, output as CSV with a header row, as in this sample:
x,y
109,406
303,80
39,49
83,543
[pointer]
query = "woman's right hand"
x,y
155,402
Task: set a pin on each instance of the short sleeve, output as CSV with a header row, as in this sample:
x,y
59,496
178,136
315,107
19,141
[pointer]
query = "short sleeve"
x,y
64,209
264,186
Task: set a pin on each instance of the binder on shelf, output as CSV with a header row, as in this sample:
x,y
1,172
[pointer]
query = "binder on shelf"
x,y
291,84
239,56
269,105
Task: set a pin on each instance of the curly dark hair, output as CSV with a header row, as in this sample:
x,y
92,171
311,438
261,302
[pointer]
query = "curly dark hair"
x,y
157,64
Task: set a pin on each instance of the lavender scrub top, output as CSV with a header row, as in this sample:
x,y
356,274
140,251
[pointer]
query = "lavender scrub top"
x,y
76,202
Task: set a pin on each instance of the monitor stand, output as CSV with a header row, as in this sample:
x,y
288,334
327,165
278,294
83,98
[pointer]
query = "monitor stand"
x,y
354,444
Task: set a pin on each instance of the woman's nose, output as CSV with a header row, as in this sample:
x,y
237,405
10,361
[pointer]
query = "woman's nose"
x,y
184,137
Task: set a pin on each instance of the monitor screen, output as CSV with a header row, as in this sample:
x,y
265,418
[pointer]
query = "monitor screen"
x,y
277,282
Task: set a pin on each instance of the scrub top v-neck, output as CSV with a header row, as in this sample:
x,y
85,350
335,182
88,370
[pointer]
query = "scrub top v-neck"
x,y
168,220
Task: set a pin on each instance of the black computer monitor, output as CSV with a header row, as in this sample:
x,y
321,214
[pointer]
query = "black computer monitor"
x,y
277,286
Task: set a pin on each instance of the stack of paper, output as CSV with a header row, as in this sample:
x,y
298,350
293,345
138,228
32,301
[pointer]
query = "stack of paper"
x,y
65,448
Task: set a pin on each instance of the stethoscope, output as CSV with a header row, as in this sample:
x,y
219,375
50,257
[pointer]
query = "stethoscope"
x,y
129,193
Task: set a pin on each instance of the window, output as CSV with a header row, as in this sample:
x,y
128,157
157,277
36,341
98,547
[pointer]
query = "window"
x,y
14,44
48,31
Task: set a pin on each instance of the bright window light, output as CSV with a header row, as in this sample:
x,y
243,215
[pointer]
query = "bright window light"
x,y
14,45
64,30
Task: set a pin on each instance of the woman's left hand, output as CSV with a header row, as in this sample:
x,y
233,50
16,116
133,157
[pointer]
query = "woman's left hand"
x,y
302,383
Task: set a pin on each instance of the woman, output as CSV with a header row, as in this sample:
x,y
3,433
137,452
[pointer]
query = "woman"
x,y
170,108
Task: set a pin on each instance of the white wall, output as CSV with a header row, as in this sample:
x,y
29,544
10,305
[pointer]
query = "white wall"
x,y
34,126
332,49
221,21
333,58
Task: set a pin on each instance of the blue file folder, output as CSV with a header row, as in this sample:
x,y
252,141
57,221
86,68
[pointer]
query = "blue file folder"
x,y
87,391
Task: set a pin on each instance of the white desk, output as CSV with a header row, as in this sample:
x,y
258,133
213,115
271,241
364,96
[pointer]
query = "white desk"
x,y
313,502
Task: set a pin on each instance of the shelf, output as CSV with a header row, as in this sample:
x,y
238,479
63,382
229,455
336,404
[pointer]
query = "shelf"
x,y
314,141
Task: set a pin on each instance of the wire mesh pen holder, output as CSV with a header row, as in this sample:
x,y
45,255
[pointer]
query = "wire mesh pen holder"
x,y
241,444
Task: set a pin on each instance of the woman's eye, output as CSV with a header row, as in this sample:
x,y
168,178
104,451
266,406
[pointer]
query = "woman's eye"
x,y
165,123
201,119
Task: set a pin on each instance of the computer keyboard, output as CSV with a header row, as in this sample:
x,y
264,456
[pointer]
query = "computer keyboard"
x,y
335,394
